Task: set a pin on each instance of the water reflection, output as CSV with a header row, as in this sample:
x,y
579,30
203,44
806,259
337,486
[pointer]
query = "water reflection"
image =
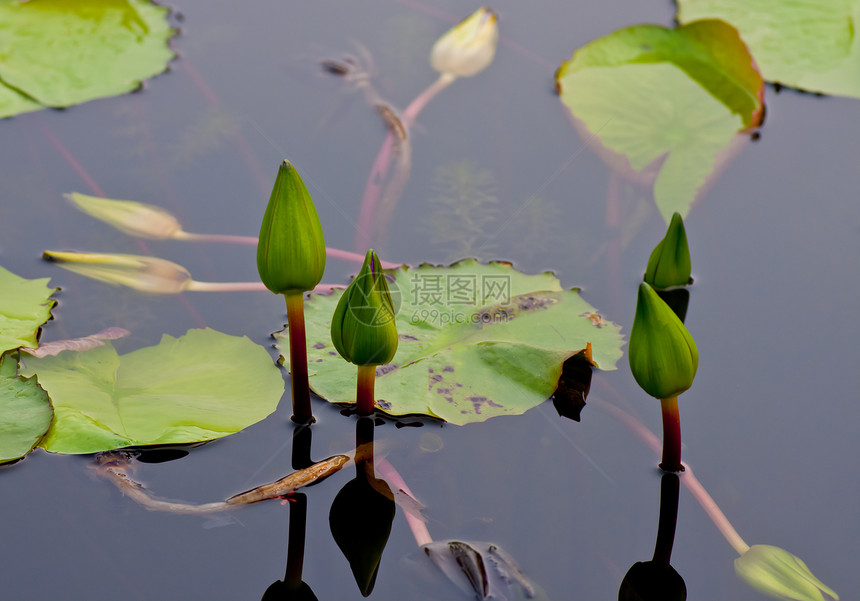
x,y
362,513
657,580
292,587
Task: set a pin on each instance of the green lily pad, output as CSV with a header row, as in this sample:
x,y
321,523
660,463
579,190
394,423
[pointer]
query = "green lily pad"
x,y
476,341
13,102
806,44
26,412
59,53
24,306
200,386
664,105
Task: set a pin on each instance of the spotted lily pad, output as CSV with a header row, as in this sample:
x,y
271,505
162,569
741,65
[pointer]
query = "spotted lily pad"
x,y
476,341
200,386
59,53
24,306
26,412
664,106
806,44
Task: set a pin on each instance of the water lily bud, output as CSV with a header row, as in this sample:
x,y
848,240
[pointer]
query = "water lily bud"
x,y
291,248
130,217
778,573
146,274
662,353
362,328
467,48
669,264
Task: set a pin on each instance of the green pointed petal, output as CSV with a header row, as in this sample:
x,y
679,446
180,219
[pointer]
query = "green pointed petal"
x,y
663,355
669,264
291,249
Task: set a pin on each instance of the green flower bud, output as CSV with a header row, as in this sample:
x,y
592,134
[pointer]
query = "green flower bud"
x,y
130,217
662,353
146,274
669,264
291,249
467,48
778,573
362,328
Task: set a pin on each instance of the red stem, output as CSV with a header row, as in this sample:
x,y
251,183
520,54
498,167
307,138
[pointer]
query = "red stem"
x,y
364,391
671,436
298,359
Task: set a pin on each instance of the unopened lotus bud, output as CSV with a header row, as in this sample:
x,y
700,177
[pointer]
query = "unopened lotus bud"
x,y
362,328
779,574
291,249
130,217
467,48
662,353
146,274
669,264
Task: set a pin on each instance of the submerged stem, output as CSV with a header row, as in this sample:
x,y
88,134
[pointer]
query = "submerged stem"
x,y
195,286
364,391
334,253
298,359
671,436
397,142
689,480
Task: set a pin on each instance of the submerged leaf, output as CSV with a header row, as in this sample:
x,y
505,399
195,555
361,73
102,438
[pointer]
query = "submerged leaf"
x,y
476,341
26,412
482,569
200,386
24,306
781,575
806,44
84,343
61,53
662,106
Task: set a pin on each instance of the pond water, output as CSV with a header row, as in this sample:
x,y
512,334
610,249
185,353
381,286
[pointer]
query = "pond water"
x,y
770,426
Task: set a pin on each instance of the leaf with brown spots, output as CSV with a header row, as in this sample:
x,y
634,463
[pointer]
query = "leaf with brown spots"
x,y
476,341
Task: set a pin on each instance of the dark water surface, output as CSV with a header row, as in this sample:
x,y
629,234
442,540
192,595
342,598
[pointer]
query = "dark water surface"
x,y
770,425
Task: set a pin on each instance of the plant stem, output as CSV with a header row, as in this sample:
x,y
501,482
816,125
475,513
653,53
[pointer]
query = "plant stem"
x,y
689,480
420,101
298,359
296,538
364,391
671,436
397,139
334,253
196,286
669,488
396,482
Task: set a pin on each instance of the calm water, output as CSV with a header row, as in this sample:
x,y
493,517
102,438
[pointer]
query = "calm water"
x,y
770,425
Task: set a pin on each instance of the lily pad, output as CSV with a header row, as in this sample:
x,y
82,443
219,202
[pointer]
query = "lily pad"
x,y
806,44
664,106
476,341
200,386
60,53
26,412
24,306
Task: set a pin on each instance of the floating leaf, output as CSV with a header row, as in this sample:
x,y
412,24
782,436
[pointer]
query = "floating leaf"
x,y
200,386
806,44
476,341
26,412
664,105
61,53
24,306
13,102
